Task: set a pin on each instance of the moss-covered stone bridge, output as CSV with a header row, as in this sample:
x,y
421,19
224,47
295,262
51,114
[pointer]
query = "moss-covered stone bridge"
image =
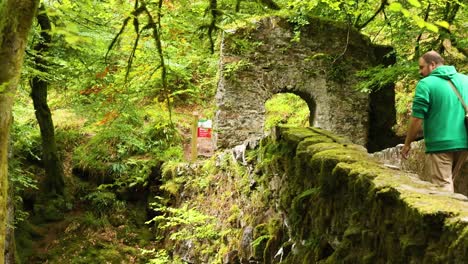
x,y
354,209
340,204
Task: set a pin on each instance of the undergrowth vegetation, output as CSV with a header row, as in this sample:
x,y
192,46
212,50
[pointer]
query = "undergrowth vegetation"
x,y
124,78
204,207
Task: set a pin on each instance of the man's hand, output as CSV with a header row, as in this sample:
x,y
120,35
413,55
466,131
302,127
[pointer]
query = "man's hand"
x,y
405,151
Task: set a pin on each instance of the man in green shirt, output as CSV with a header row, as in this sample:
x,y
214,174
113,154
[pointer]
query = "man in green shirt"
x,y
437,109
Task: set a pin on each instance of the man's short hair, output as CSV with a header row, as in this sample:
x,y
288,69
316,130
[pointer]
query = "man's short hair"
x,y
433,56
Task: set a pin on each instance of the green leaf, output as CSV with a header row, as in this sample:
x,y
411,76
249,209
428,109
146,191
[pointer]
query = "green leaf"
x,y
443,24
395,7
420,22
72,40
414,3
432,27
405,12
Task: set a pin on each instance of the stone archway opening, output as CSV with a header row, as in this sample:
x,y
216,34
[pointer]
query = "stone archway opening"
x,y
288,109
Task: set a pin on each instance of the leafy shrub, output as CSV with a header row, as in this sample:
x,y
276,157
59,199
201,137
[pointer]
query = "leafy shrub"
x,y
378,77
127,136
184,223
26,140
67,139
20,180
103,202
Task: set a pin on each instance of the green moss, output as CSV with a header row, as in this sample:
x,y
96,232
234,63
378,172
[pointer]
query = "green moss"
x,y
267,239
411,242
260,230
235,214
296,135
230,69
329,190
82,242
274,242
304,144
352,232
335,138
259,246
370,205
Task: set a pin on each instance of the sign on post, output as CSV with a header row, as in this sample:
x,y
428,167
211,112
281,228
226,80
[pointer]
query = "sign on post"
x,y
202,143
204,128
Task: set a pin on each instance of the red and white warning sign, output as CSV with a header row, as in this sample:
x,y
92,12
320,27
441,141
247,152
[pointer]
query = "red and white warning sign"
x,y
204,128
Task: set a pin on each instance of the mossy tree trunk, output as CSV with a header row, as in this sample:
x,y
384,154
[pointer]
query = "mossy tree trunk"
x,y
10,244
16,18
52,163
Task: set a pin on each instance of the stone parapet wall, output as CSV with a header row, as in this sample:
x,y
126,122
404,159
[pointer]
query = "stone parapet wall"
x,y
415,164
392,158
343,206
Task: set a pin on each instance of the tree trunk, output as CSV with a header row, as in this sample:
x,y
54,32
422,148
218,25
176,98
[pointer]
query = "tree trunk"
x,y
53,165
16,18
10,245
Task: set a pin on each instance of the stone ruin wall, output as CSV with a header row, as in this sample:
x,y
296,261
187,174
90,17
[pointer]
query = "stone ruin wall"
x,y
261,60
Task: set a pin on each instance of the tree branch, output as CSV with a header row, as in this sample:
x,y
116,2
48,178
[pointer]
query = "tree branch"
x,y
449,16
212,27
156,27
136,12
418,46
363,25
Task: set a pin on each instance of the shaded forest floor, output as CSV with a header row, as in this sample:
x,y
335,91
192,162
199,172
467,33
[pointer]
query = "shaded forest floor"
x,y
85,234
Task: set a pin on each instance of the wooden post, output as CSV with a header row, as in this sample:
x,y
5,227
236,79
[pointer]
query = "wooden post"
x,y
194,137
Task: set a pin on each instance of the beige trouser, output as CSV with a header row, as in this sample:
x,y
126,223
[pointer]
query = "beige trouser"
x,y
442,168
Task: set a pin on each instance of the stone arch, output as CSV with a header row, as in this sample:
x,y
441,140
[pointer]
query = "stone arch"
x,y
310,102
262,59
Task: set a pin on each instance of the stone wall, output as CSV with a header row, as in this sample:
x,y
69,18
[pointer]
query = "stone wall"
x,y
261,59
415,164
343,206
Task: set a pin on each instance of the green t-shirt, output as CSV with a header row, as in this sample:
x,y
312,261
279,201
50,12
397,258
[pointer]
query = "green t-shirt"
x,y
443,114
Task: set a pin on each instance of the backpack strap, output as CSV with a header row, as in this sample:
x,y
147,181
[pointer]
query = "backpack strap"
x,y
459,96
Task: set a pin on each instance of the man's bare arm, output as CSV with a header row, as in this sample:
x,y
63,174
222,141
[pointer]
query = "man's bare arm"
x,y
414,127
